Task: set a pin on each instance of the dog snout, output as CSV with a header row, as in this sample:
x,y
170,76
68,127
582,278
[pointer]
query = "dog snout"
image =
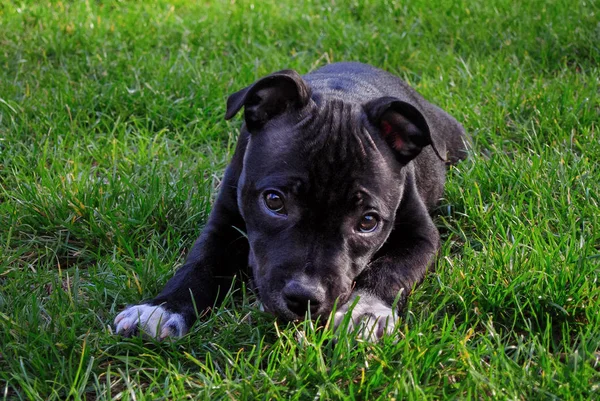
x,y
301,297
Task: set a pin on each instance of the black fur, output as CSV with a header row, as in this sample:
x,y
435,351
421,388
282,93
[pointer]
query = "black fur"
x,y
345,141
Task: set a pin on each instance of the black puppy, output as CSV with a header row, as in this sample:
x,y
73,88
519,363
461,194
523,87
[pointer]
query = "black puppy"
x,y
332,181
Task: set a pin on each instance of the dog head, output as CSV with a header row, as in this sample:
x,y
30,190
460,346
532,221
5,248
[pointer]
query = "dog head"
x,y
322,179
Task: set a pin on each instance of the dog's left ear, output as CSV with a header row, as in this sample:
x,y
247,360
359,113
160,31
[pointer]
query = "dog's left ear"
x,y
403,127
269,97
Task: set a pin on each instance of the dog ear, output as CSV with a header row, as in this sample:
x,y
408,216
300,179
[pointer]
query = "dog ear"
x,y
402,126
269,97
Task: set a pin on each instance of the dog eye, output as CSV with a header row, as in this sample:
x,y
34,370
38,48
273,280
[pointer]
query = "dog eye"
x,y
274,202
368,223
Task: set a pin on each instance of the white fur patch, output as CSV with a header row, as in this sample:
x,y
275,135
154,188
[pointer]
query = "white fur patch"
x,y
154,320
373,317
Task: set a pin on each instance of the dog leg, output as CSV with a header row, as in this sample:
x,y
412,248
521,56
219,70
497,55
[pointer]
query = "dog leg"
x,y
396,268
369,315
218,255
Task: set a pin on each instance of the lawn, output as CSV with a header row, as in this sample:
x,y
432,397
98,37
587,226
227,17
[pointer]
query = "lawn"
x,y
112,142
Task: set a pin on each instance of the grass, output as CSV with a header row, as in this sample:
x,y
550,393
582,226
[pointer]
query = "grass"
x,y
112,141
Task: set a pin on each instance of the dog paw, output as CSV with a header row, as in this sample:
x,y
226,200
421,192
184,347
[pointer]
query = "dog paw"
x,y
370,317
153,320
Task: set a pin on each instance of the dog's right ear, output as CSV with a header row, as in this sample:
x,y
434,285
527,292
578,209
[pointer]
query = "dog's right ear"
x,y
268,97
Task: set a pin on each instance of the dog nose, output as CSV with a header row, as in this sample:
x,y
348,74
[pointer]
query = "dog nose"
x,y
301,297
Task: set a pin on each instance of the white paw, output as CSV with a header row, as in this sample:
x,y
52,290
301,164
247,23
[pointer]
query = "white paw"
x,y
371,317
154,320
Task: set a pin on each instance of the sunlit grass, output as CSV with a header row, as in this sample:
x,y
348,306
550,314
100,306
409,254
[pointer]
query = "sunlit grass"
x,y
112,141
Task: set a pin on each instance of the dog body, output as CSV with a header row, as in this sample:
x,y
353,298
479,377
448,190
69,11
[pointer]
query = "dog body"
x,y
332,180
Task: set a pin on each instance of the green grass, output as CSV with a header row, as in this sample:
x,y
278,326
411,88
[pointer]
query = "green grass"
x,y
112,141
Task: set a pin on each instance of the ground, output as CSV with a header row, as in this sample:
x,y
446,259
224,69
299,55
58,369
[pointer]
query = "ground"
x,y
112,142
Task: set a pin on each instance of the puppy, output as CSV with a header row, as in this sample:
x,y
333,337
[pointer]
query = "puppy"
x,y
332,182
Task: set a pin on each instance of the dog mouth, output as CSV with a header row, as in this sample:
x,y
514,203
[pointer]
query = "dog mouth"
x,y
279,308
297,297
